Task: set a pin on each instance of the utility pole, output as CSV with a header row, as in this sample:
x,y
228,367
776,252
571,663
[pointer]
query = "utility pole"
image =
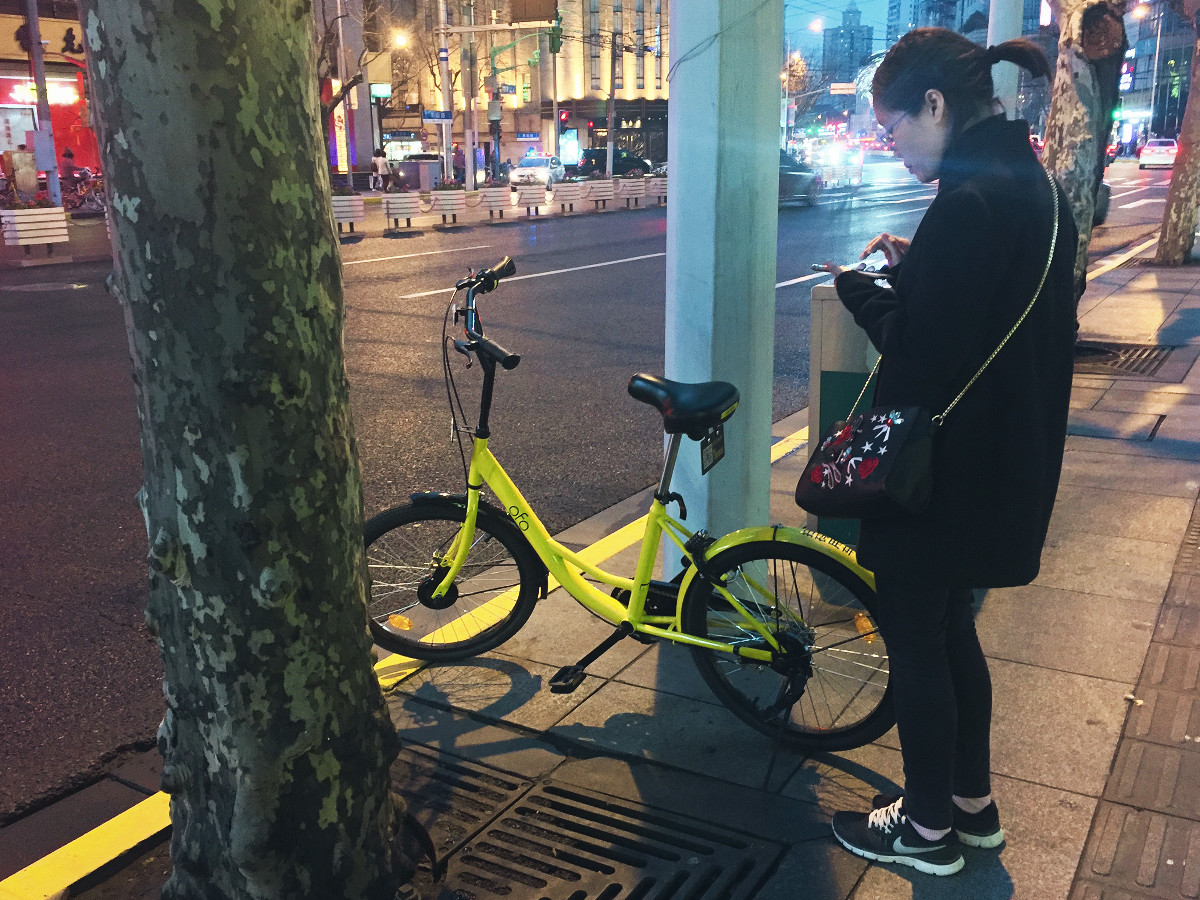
x,y
468,66
447,128
45,156
612,102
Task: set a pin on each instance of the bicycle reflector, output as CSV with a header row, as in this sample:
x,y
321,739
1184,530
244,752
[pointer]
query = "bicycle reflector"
x,y
405,624
864,626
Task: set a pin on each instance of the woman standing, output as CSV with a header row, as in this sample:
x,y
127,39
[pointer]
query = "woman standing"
x,y
955,291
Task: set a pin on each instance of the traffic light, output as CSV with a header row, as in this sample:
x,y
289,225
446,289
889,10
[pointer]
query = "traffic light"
x,y
563,115
555,36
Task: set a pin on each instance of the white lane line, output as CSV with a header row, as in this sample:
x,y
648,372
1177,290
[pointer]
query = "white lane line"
x,y
611,262
1127,193
1137,203
359,262
802,278
900,212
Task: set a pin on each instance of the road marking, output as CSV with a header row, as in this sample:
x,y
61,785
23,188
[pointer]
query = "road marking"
x,y
1127,193
44,286
901,212
783,284
1117,260
611,262
1137,203
359,262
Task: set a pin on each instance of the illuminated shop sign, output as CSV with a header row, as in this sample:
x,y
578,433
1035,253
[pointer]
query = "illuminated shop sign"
x,y
24,91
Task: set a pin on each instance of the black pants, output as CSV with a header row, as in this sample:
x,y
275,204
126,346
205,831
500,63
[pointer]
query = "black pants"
x,y
942,693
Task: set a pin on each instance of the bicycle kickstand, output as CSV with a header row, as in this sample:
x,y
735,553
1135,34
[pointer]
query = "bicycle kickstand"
x,y
568,678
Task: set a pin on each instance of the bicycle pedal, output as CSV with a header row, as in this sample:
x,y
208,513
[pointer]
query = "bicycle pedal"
x,y
567,679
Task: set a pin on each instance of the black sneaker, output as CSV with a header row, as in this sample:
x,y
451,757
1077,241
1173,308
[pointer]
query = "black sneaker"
x,y
981,829
886,835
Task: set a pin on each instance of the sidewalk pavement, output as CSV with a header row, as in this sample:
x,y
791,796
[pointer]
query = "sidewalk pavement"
x,y
640,784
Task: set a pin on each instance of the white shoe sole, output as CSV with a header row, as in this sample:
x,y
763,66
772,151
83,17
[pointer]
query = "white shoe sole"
x,y
985,841
921,865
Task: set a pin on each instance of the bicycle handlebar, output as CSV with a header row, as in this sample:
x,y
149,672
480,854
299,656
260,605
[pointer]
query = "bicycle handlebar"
x,y
486,280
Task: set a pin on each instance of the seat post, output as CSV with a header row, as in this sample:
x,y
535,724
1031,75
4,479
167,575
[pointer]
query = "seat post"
x,y
664,485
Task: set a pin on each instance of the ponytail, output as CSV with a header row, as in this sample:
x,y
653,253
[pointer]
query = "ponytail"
x,y
943,60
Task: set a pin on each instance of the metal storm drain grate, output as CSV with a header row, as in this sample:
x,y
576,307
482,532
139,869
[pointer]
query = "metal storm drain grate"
x,y
452,798
1109,358
566,843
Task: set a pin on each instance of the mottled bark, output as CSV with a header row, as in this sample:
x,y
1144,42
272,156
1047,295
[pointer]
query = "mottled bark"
x,y
276,740
1091,46
1178,232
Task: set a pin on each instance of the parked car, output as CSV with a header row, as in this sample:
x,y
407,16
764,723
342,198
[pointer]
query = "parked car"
x,y
592,162
546,169
1110,153
1157,152
797,181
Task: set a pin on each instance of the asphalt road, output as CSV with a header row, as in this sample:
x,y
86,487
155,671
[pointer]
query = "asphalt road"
x,y
80,673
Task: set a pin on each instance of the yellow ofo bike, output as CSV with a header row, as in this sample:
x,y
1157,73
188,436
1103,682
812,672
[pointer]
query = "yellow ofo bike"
x,y
780,621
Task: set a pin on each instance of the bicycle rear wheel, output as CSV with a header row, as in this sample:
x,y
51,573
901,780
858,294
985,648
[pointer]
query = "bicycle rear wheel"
x,y
488,603
829,689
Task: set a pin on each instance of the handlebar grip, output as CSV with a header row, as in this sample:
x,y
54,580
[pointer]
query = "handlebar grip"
x,y
494,351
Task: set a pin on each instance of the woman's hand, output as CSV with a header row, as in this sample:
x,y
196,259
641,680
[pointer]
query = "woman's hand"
x,y
893,248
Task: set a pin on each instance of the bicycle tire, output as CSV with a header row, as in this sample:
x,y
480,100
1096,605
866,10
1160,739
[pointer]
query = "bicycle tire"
x,y
489,602
833,680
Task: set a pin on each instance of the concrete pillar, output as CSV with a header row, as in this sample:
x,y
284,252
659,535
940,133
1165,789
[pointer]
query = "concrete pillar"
x,y
723,145
1004,24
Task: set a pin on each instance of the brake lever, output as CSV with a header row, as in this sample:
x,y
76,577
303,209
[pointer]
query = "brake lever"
x,y
463,348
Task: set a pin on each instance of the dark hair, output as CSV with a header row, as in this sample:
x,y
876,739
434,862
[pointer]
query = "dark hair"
x,y
943,60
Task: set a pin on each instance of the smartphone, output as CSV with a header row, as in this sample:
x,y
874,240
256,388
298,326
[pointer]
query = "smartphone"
x,y
821,267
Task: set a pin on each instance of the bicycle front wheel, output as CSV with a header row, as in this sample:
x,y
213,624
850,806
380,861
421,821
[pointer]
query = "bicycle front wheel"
x,y
828,687
488,602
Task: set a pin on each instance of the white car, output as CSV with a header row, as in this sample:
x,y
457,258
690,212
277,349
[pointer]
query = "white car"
x,y
1158,152
546,169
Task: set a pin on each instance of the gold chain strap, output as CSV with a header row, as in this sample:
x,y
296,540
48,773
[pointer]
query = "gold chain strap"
x,y
937,420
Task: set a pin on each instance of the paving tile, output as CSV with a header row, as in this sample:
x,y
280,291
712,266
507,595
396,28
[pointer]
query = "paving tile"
x,y
817,868
1142,852
1171,718
1120,567
1087,468
1111,425
1179,625
144,771
1175,447
498,688
1156,777
1154,403
1037,710
1171,668
457,733
1085,397
1096,510
668,668
699,737
561,632
1087,634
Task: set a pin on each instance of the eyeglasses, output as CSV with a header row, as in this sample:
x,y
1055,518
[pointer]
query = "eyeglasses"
x,y
887,130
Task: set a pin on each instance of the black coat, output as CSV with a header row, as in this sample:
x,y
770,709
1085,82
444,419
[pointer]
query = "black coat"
x,y
973,267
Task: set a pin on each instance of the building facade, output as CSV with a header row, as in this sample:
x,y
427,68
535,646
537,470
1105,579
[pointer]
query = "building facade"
x,y
846,47
66,80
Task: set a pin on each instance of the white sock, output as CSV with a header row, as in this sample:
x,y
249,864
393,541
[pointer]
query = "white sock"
x,y
930,834
972,804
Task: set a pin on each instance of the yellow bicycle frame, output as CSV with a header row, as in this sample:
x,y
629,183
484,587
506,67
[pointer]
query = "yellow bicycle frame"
x,y
569,568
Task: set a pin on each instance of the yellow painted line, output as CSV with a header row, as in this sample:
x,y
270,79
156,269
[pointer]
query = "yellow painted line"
x,y
51,875
792,442
1116,261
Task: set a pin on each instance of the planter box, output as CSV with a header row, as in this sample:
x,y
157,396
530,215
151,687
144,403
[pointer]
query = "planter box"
x,y
656,187
448,203
402,206
26,227
531,196
495,199
566,194
348,209
599,192
631,189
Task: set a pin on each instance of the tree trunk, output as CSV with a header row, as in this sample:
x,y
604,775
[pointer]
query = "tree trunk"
x,y
1091,46
276,739
1179,217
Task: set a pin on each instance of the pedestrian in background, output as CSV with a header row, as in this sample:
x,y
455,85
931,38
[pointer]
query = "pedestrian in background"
x,y
379,171
955,290
460,164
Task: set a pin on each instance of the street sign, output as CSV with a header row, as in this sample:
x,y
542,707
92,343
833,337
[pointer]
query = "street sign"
x,y
443,54
528,136
437,115
842,87
508,88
